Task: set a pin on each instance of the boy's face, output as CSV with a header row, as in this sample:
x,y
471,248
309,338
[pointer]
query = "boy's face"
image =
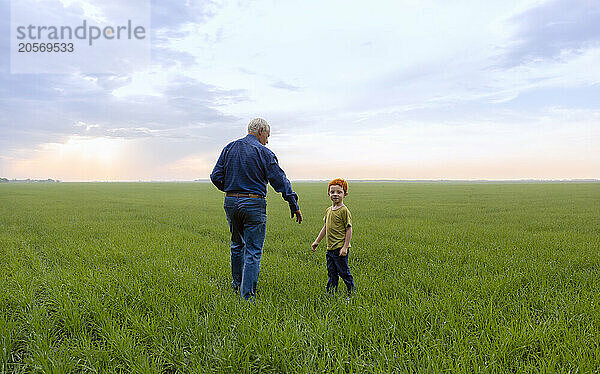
x,y
336,193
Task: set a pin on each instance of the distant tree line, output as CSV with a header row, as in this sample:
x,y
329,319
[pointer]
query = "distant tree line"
x,y
49,180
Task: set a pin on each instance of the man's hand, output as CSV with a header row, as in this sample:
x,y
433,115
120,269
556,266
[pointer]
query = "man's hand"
x,y
314,246
298,215
343,251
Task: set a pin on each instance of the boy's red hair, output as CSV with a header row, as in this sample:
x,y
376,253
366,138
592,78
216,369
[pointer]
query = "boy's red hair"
x,y
340,182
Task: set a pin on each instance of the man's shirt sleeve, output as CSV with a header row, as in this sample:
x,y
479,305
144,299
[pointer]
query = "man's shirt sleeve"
x,y
280,183
217,177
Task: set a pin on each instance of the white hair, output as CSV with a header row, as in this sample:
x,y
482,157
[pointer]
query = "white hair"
x,y
257,125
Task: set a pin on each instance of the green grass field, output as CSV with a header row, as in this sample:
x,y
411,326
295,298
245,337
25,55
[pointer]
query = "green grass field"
x,y
450,277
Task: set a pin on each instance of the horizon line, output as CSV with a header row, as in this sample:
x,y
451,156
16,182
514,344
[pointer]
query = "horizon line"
x,y
440,180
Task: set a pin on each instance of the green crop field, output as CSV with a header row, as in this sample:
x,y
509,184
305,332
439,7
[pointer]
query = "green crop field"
x,y
450,277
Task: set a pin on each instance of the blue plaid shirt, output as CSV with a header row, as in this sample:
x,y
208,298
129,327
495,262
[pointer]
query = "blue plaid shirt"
x,y
246,166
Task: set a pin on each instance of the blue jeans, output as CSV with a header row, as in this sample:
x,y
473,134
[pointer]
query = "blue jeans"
x,y
247,219
337,266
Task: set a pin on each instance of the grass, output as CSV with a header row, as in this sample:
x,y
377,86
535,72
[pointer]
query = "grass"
x,y
451,277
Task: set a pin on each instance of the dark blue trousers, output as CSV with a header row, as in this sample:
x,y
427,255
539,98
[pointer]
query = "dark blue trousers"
x,y
337,266
247,219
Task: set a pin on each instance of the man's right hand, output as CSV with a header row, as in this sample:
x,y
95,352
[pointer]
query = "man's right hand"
x,y
314,246
298,215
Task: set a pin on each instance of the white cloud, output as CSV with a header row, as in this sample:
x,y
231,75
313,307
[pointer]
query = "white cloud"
x,y
90,11
571,69
144,83
86,126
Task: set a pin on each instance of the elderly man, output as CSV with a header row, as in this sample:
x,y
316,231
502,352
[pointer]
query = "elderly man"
x,y
243,170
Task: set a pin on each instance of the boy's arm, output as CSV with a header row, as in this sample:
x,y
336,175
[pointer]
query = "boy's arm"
x,y
318,239
344,249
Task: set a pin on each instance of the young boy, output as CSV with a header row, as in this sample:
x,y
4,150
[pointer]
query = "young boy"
x,y
338,229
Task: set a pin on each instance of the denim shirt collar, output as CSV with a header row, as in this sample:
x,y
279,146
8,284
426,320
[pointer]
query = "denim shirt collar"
x,y
252,138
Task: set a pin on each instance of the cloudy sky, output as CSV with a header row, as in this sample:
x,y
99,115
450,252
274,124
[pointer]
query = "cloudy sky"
x,y
380,89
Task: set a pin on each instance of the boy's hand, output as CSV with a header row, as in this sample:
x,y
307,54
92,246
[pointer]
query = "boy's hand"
x,y
343,251
314,246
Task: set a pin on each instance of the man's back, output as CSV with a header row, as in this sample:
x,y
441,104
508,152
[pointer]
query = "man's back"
x,y
246,166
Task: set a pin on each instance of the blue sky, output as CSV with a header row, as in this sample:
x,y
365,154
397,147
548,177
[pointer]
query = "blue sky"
x,y
389,89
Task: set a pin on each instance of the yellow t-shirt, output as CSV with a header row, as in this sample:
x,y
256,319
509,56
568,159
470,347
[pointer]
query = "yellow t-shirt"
x,y
336,222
